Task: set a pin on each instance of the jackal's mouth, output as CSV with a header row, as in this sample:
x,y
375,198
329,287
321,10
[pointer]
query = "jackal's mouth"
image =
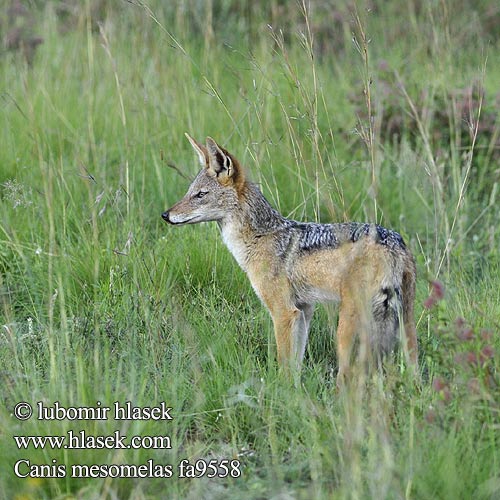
x,y
167,218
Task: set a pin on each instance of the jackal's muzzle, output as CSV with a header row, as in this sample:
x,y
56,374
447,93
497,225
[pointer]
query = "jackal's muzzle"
x,y
166,217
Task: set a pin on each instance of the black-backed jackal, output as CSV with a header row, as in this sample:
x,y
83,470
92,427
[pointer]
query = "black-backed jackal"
x,y
293,265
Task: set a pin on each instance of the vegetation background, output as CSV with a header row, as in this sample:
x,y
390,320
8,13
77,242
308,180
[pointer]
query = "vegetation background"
x,y
380,111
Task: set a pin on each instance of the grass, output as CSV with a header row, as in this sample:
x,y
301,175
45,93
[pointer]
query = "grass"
x,y
100,301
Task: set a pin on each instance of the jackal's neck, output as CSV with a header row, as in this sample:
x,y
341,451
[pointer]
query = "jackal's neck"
x,y
257,214
252,218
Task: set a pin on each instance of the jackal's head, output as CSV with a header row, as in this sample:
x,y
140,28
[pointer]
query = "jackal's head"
x,y
215,192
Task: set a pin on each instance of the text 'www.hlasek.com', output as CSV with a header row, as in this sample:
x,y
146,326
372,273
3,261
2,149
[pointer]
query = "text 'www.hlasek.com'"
x,y
80,439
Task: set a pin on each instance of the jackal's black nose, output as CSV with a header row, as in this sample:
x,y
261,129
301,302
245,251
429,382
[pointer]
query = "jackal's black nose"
x,y
166,216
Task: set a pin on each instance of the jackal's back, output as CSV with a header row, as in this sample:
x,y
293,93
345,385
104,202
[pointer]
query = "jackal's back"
x,y
315,236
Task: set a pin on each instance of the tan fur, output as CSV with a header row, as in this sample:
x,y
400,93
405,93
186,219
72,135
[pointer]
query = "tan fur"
x,y
292,265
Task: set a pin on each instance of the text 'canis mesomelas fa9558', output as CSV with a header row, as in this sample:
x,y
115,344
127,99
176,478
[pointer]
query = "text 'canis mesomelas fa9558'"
x,y
292,265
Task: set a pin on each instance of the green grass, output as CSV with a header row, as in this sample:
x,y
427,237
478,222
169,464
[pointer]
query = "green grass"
x,y
100,301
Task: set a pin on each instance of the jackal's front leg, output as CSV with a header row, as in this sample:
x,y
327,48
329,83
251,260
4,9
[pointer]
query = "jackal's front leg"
x,y
290,329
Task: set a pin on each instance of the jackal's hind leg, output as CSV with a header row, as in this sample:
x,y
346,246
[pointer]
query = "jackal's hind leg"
x,y
346,331
353,334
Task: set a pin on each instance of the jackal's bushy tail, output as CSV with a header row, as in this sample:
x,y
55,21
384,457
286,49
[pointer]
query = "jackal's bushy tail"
x,y
392,307
409,278
408,289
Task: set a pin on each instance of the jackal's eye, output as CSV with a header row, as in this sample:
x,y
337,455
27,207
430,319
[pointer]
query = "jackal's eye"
x,y
200,194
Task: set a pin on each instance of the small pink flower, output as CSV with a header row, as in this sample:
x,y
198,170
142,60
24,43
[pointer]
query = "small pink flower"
x,y
429,302
437,289
471,358
383,65
442,388
487,352
474,386
437,294
486,335
460,323
430,416
446,394
466,334
438,384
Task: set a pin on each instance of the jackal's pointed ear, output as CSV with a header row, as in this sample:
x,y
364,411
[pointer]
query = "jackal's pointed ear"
x,y
220,161
200,149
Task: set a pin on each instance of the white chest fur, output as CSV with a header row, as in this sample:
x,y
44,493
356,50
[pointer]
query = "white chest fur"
x,y
233,239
